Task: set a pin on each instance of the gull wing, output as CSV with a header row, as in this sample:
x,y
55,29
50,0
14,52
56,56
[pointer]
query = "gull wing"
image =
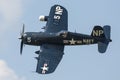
x,y
49,58
57,20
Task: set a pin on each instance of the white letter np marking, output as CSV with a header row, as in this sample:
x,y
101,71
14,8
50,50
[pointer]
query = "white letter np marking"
x,y
58,12
97,32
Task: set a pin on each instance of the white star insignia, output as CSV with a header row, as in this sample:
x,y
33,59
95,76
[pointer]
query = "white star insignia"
x,y
44,68
72,41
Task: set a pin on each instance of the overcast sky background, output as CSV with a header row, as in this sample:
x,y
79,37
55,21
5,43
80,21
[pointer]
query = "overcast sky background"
x,y
79,62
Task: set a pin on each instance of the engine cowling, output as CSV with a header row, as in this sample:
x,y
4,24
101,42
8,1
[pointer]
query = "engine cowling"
x,y
43,18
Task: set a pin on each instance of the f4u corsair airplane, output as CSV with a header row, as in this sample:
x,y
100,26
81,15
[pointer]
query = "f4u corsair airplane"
x,y
56,36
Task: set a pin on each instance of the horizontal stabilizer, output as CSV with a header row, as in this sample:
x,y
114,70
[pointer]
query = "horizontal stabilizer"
x,y
102,47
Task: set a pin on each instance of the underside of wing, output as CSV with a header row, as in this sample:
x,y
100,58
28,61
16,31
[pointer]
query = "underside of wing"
x,y
57,20
49,58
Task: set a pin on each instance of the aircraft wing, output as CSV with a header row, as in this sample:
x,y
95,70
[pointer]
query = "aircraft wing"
x,y
49,58
57,20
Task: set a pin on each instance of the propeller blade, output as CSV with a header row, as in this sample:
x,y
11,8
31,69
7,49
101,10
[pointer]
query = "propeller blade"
x,y
22,43
21,47
23,29
22,32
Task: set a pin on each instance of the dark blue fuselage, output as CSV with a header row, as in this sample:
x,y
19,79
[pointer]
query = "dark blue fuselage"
x,y
60,38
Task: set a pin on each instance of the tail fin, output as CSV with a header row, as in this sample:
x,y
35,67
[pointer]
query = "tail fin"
x,y
104,33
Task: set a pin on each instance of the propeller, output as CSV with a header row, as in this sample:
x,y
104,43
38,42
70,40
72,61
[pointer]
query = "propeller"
x,y
22,37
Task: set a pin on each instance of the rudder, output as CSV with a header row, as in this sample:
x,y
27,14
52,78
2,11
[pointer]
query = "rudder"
x,y
107,31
